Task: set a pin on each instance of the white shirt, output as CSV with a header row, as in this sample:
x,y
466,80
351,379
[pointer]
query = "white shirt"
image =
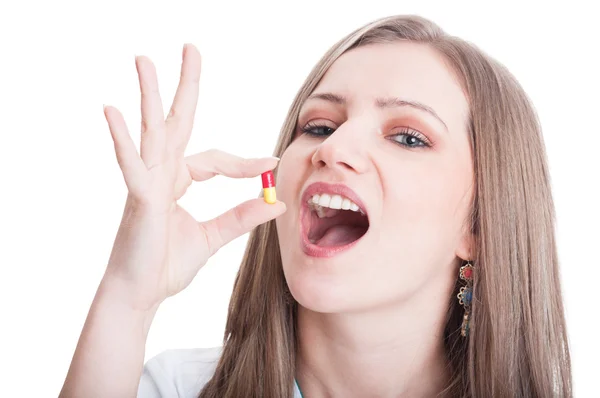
x,y
181,373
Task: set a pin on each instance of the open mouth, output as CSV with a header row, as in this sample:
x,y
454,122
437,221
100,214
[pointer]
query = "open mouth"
x,y
333,221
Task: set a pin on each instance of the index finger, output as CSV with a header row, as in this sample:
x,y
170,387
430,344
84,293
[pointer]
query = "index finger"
x,y
205,165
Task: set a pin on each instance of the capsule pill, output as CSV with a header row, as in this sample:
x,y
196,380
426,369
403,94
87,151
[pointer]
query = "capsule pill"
x,y
268,183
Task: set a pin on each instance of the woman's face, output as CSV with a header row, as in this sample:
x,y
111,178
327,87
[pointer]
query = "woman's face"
x,y
385,130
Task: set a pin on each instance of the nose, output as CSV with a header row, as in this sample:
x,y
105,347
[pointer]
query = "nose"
x,y
342,150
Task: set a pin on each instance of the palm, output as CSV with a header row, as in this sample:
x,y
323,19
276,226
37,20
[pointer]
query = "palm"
x,y
187,251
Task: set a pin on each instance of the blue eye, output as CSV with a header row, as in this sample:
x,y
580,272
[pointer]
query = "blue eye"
x,y
410,138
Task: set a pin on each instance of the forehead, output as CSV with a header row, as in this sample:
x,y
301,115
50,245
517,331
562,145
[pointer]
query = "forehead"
x,y
411,71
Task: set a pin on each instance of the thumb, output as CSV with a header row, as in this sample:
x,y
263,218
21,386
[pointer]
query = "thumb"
x,y
237,221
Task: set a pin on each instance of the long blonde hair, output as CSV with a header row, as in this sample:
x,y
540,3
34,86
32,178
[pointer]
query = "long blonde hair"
x,y
517,345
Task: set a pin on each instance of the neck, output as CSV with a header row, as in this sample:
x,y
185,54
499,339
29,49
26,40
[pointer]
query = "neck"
x,y
395,351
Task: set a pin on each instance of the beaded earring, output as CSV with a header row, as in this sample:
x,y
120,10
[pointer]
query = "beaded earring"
x,y
465,296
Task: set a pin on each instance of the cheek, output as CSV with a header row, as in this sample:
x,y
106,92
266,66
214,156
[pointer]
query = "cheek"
x,y
424,210
291,173
287,177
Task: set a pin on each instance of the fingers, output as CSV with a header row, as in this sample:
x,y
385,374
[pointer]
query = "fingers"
x,y
181,117
205,165
152,145
129,161
239,220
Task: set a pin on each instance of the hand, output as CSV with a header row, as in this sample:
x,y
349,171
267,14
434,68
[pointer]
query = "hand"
x,y
159,247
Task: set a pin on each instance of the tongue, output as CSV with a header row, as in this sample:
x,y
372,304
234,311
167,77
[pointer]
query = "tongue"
x,y
340,235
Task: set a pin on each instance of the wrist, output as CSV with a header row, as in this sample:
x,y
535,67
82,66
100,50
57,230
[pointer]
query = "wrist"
x,y
120,298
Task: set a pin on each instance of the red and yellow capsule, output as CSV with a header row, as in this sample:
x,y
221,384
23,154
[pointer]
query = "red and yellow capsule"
x,y
268,183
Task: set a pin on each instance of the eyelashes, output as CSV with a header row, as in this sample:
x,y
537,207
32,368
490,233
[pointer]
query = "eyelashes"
x,y
311,127
405,136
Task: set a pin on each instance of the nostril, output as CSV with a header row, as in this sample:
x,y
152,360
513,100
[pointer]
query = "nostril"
x,y
346,165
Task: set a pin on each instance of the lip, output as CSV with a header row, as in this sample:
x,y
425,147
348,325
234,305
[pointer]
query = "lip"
x,y
310,248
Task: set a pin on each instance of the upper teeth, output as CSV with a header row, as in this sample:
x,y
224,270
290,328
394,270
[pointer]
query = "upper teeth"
x,y
333,202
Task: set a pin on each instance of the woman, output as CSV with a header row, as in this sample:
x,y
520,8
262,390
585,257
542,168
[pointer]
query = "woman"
x,y
412,253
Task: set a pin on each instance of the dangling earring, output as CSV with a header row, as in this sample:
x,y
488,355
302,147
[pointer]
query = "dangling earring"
x,y
465,296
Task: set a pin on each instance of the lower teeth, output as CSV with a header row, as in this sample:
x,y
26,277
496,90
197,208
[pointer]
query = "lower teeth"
x,y
320,212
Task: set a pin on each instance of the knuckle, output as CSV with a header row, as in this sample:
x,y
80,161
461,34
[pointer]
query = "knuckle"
x,y
207,241
149,90
241,168
237,215
212,153
144,126
191,78
149,127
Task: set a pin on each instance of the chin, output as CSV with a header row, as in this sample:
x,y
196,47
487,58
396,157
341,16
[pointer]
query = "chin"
x,y
324,288
324,303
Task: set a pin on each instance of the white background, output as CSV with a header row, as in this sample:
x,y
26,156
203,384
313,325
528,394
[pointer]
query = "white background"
x,y
62,192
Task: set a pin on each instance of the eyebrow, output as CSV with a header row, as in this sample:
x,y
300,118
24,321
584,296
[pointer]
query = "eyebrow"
x,y
381,103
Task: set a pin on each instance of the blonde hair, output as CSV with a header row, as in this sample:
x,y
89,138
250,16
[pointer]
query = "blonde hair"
x,y
517,345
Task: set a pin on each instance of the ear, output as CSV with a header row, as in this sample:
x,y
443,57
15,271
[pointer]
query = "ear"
x,y
466,246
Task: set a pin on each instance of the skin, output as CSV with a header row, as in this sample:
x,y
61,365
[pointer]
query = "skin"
x,y
368,326
159,247
371,318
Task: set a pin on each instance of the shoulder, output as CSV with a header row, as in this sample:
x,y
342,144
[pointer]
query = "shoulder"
x,y
178,372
